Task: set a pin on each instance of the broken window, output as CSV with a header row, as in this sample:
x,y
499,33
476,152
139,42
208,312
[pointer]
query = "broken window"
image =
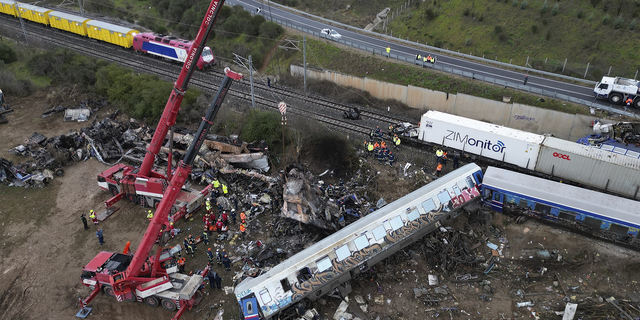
x,y
286,286
304,274
616,228
265,297
413,215
396,223
591,222
428,206
379,233
323,264
343,252
361,242
543,209
567,215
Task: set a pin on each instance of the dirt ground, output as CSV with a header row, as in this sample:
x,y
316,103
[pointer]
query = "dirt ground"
x,y
44,248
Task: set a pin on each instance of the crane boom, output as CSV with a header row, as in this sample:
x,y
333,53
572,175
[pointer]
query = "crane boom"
x,y
172,107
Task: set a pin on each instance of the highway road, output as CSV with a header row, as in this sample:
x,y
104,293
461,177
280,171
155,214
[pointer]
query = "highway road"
x,y
273,11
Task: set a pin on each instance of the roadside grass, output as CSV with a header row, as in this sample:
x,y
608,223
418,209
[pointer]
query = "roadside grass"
x,y
326,55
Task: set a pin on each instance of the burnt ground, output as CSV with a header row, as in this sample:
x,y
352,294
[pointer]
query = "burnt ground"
x,y
44,248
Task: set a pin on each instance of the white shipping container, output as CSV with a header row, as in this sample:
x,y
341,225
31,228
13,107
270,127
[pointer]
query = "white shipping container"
x,y
485,139
590,166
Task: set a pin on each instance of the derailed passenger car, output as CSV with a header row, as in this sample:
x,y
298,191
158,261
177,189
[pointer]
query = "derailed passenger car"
x,y
330,263
170,48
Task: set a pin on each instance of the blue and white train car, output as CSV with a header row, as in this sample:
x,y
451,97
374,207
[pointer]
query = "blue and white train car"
x,y
602,215
330,263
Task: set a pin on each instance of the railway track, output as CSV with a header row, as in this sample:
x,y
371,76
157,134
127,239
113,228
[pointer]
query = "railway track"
x,y
322,109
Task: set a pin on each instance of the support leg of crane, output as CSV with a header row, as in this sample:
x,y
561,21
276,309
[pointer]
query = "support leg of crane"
x,y
181,311
84,312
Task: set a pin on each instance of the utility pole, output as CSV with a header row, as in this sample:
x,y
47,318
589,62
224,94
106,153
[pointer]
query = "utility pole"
x,y
269,4
253,100
21,22
304,62
81,8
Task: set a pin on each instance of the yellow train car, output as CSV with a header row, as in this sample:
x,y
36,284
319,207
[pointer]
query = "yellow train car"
x,y
111,33
8,7
33,13
68,22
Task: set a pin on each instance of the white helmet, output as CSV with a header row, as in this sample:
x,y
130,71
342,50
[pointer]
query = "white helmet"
x,y
208,199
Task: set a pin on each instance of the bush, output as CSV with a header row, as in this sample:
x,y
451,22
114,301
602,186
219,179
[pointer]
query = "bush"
x,y
545,22
548,36
590,17
438,43
497,29
580,13
545,7
64,66
161,29
534,29
430,14
263,125
514,3
12,86
7,55
270,30
606,19
232,27
468,42
555,9
466,12
523,5
618,23
252,28
594,3
502,37
632,24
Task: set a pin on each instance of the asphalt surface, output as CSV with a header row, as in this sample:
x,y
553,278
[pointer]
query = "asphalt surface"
x,y
272,11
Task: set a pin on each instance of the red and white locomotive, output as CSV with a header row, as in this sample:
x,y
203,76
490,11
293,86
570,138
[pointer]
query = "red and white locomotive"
x,y
169,47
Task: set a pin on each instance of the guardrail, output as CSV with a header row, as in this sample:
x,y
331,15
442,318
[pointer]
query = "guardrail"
x,y
517,86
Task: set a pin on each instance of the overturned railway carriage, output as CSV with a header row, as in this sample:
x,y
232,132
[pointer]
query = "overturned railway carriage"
x,y
599,214
548,156
170,48
330,263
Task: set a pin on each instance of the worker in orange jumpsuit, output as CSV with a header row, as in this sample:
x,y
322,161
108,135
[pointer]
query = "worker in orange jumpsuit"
x,y
243,229
243,216
127,249
181,262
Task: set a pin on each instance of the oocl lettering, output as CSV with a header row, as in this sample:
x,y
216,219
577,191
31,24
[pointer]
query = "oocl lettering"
x,y
483,144
561,156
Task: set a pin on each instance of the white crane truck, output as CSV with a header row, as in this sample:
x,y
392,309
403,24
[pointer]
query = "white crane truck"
x,y
617,90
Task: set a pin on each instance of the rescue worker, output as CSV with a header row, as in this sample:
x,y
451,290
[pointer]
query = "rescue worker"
x,y
224,189
210,256
233,216
225,218
243,230
372,133
439,154
172,230
438,170
254,210
185,243
429,58
181,262
396,141
628,102
190,249
191,239
219,207
218,280
100,236
212,279
433,60
392,159
526,78
456,154
215,183
93,218
380,135
418,57
84,221
380,155
369,149
444,158
243,216
150,215
207,205
127,248
330,191
219,256
424,60
390,131
388,51
376,146
219,225
227,262
205,235
383,145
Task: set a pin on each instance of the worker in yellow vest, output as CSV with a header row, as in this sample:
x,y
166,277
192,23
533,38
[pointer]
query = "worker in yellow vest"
x,y
224,189
92,215
150,215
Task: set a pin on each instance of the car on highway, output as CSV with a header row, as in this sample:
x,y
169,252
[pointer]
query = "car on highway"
x,y
330,33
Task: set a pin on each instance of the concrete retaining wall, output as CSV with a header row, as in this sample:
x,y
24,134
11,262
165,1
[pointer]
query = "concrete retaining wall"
x,y
513,115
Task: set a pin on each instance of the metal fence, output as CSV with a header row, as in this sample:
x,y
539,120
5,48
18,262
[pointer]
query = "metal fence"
x,y
517,86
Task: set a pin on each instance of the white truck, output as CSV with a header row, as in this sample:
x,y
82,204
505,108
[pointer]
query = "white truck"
x,y
617,90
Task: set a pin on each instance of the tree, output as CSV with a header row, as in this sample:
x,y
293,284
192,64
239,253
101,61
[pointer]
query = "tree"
x,y
7,55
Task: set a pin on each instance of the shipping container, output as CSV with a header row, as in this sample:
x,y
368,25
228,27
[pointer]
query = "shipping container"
x,y
34,13
590,166
68,22
111,33
8,7
485,139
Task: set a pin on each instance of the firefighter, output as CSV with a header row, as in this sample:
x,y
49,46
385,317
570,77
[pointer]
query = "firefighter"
x,y
191,239
127,248
185,243
190,249
207,205
330,191
181,262
205,235
219,207
390,131
392,159
372,133
218,256
150,215
225,218
233,216
210,256
93,218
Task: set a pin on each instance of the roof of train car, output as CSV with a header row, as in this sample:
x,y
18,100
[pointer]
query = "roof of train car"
x,y
484,126
68,16
590,152
110,27
7,1
309,255
563,194
32,7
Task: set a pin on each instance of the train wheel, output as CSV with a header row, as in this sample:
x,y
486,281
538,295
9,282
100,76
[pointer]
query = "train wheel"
x,y
152,301
169,304
108,291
